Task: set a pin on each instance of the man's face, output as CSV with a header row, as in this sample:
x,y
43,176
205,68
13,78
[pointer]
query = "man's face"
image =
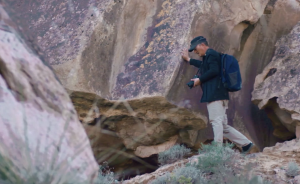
x,y
200,49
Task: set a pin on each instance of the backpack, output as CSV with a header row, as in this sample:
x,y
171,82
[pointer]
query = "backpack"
x,y
230,73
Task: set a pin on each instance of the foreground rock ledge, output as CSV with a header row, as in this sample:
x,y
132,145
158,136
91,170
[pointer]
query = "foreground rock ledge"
x,y
277,89
140,123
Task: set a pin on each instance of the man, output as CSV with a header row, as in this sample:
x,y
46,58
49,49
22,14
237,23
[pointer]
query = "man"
x,y
214,93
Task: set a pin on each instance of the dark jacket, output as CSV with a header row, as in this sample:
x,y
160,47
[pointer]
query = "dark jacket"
x,y
210,69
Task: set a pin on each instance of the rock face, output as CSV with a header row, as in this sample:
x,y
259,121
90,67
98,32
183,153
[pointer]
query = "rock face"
x,y
38,123
128,48
276,89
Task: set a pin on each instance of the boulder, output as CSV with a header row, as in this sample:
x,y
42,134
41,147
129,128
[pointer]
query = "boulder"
x,y
276,88
138,122
39,126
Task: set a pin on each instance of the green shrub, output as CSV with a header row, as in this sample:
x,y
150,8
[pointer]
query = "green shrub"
x,y
214,157
217,164
173,154
191,175
182,175
292,169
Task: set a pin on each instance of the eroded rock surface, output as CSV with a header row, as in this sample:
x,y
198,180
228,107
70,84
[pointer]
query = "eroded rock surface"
x,y
272,163
138,122
39,126
277,88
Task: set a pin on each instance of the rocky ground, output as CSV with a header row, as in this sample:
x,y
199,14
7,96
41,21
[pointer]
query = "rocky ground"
x,y
271,164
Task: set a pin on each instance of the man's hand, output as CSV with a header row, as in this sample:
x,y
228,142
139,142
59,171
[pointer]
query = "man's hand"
x,y
185,55
197,81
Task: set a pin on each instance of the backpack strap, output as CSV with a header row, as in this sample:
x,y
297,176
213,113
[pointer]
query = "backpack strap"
x,y
223,64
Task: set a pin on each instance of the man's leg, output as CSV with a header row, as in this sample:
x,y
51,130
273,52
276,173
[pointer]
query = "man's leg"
x,y
216,113
231,133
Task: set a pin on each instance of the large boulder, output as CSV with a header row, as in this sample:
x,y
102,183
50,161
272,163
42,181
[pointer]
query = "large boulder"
x,y
138,122
276,89
39,128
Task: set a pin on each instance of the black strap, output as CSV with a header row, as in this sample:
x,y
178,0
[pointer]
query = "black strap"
x,y
199,69
198,72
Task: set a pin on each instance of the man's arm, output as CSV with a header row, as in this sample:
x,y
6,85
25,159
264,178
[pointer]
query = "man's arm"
x,y
185,57
195,62
213,69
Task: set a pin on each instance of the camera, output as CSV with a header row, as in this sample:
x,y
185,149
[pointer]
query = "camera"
x,y
191,83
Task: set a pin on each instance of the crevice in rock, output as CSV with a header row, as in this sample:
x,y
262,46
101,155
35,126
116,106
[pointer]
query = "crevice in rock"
x,y
269,8
15,87
136,166
271,72
281,120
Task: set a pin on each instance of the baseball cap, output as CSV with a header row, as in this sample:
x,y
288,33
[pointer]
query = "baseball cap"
x,y
196,41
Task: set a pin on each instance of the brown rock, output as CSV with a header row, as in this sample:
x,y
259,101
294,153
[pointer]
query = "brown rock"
x,y
138,122
38,123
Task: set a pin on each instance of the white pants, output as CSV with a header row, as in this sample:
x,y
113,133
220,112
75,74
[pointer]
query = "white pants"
x,y
218,119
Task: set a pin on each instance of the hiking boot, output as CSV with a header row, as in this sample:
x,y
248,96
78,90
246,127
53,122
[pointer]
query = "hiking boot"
x,y
247,148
